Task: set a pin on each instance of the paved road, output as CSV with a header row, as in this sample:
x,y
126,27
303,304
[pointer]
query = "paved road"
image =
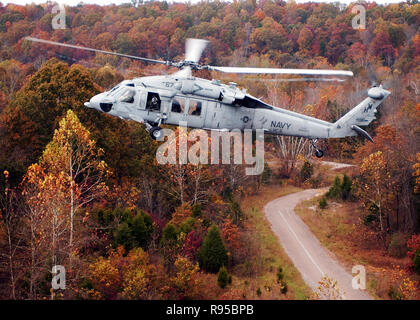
x,y
308,255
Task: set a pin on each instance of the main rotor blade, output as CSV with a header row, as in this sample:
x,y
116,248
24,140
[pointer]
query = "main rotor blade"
x,y
297,80
306,72
96,50
194,48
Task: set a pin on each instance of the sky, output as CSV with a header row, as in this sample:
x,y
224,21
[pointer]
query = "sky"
x,y
105,2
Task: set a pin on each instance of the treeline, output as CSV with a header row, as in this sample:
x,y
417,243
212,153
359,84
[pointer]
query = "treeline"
x,y
286,33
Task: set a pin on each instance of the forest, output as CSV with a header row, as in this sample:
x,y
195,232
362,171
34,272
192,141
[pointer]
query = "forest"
x,y
82,189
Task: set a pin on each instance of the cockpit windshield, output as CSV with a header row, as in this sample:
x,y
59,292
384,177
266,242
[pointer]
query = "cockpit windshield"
x,y
127,96
113,91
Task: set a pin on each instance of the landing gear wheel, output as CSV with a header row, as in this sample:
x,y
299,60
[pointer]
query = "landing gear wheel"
x,y
319,153
156,133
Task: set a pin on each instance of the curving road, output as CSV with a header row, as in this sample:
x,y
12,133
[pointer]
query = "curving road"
x,y
308,255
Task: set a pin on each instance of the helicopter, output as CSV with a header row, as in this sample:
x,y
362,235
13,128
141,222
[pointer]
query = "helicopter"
x,y
211,105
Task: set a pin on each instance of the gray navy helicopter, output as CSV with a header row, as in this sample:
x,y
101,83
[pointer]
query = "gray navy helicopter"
x,y
212,105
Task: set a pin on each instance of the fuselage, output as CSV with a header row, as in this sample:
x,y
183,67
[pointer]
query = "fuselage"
x,y
201,103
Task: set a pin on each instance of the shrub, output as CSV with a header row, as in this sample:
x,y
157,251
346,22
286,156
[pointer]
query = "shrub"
x,y
322,203
397,246
259,292
316,181
212,254
280,274
345,187
413,244
223,277
394,294
283,287
335,190
306,171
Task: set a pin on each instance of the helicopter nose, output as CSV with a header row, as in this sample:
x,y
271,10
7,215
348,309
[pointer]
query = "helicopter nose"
x,y
99,103
93,103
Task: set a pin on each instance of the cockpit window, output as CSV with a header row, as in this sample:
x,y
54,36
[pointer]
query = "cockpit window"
x,y
113,89
127,96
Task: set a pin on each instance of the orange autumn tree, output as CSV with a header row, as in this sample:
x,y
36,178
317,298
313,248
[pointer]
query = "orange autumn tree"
x,y
74,155
373,182
69,176
46,221
123,276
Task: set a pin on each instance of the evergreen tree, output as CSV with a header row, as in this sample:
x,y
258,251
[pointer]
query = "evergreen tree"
x,y
134,232
323,203
169,234
223,277
196,210
141,229
346,187
212,254
335,190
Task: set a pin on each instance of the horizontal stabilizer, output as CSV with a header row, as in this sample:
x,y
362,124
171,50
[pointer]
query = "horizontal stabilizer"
x,y
361,132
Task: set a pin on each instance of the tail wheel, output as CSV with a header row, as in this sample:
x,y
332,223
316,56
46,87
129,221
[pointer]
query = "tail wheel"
x,y
319,153
156,133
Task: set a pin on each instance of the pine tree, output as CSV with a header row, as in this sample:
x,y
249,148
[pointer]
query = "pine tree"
x,y
223,277
212,254
169,234
335,190
345,187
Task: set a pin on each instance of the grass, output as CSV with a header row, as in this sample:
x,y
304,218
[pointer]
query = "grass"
x,y
272,255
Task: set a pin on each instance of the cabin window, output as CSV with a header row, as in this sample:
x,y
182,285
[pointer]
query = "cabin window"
x,y
127,96
178,105
195,108
153,101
